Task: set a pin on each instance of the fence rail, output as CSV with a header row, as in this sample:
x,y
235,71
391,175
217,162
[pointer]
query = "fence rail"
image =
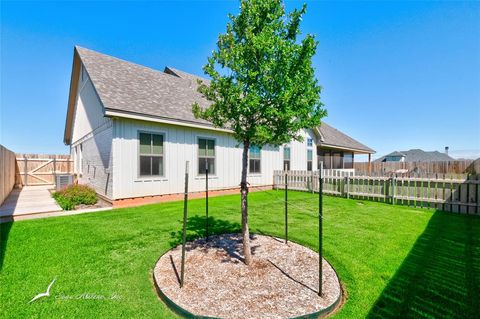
x,y
453,195
459,168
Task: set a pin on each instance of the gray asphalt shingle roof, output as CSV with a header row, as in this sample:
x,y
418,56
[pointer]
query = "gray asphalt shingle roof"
x,y
128,87
131,88
418,155
332,136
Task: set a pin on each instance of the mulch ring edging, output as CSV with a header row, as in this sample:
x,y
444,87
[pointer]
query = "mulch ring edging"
x,y
282,281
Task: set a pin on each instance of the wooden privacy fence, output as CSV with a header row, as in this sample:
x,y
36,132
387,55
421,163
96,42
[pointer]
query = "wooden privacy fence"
x,y
452,195
8,169
39,169
418,169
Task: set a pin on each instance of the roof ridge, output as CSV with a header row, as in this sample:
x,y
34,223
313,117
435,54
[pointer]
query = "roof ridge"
x,y
150,69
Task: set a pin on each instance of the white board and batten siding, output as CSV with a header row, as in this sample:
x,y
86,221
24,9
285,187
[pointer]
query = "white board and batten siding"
x,y
91,147
106,153
181,145
298,152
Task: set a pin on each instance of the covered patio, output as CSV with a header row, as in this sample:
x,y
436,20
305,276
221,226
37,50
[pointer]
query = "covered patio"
x,y
337,150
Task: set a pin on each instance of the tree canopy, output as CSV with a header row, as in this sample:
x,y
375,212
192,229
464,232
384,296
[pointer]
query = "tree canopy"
x,y
263,85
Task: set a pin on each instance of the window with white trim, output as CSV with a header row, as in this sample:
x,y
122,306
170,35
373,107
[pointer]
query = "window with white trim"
x,y
206,155
309,159
151,153
255,159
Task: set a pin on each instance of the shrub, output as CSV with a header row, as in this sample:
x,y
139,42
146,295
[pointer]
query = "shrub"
x,y
75,195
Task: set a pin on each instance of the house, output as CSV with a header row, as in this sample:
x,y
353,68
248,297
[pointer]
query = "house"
x,y
415,155
131,130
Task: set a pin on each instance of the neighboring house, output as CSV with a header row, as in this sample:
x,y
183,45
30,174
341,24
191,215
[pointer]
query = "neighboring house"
x,y
415,155
131,130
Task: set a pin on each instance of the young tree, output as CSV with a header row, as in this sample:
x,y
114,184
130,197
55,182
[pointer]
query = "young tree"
x,y
262,84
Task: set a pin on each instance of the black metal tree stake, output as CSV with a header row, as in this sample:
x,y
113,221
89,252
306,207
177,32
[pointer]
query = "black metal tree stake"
x,y
184,234
320,230
206,199
286,205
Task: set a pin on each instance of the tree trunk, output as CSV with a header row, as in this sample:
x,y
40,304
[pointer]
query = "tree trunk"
x,y
244,191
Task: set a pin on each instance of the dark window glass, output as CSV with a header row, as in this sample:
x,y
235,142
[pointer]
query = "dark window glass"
x,y
309,165
348,160
157,165
145,165
203,163
254,166
337,160
286,164
327,163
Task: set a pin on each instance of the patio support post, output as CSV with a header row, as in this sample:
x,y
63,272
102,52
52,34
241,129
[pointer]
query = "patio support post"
x,y
184,233
369,164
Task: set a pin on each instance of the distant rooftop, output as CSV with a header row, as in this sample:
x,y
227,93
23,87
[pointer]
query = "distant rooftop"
x,y
418,155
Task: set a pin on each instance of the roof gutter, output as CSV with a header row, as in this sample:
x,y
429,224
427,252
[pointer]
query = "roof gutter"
x,y
159,119
357,150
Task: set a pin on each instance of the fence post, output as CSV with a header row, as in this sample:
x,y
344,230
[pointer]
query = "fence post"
x,y
55,171
347,180
393,189
286,205
312,181
25,172
184,233
320,231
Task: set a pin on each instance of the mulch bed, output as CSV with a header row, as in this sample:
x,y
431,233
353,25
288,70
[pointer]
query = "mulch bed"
x,y
282,281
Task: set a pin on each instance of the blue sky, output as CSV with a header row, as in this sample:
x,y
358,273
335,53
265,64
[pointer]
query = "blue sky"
x,y
395,75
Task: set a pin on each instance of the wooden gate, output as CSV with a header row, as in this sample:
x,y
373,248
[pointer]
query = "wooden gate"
x,y
42,169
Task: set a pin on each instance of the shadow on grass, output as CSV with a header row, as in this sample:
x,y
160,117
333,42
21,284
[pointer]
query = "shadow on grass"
x,y
4,231
440,278
196,226
231,244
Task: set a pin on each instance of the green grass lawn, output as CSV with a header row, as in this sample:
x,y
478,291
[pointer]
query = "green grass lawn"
x,y
393,261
